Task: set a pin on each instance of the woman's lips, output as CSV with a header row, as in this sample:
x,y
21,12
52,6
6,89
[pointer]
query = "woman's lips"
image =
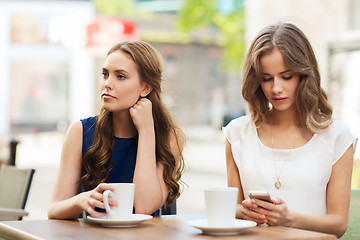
x,y
279,100
108,96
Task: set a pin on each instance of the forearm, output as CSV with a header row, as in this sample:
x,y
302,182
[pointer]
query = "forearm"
x,y
65,209
146,177
65,202
330,223
336,220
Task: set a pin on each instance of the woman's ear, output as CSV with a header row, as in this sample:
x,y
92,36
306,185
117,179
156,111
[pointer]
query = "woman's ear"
x,y
146,90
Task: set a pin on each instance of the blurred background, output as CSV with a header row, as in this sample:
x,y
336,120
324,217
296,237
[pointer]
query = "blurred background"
x,y
51,55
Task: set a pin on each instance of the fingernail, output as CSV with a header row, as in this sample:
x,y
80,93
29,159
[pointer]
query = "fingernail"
x,y
265,220
262,216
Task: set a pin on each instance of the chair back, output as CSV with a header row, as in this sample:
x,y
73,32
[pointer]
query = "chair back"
x,y
168,209
14,188
353,230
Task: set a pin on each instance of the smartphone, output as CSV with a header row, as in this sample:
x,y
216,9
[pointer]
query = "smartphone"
x,y
262,195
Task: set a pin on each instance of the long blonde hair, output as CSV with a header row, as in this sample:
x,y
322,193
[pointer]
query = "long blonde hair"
x,y
97,161
314,110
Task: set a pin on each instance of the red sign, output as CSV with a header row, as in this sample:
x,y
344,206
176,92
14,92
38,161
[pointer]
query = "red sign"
x,y
109,31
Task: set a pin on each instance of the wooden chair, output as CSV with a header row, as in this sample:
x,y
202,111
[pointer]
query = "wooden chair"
x,y
14,189
353,231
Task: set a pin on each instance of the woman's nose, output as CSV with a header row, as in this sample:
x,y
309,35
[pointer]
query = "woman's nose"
x,y
277,85
108,83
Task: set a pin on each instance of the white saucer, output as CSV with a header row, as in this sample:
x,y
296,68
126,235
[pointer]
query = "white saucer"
x,y
239,226
133,221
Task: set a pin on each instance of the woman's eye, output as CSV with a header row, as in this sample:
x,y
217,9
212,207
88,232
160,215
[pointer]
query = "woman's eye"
x,y
121,77
267,79
104,74
288,78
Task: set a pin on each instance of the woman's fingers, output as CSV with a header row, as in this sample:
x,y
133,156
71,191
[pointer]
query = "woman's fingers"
x,y
88,205
249,214
141,114
95,203
142,103
272,221
113,202
104,186
94,199
276,213
96,195
94,213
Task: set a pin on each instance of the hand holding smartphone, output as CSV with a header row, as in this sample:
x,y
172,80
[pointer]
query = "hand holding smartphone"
x,y
262,195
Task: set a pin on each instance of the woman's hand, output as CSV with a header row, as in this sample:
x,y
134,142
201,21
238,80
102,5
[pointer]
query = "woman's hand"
x,y
279,214
275,213
248,212
141,114
87,201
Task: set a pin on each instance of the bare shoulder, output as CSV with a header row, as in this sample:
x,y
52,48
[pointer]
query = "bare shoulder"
x,y
75,127
74,131
73,138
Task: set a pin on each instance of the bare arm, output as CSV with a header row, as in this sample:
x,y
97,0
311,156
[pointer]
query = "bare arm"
x,y
233,177
338,198
65,203
150,188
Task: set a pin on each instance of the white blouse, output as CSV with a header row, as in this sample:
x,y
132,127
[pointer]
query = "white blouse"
x,y
307,171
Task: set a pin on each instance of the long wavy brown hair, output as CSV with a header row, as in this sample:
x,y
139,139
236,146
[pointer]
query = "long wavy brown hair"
x,y
314,110
98,160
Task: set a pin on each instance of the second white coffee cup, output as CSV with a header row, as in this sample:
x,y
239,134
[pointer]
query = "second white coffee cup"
x,y
124,194
220,204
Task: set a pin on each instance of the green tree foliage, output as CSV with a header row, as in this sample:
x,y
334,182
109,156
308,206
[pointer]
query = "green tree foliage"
x,y
113,8
231,25
355,183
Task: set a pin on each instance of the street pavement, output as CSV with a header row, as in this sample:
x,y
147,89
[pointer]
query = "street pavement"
x,y
205,167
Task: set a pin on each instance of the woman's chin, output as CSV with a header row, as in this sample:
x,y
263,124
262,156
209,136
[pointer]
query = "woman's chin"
x,y
115,109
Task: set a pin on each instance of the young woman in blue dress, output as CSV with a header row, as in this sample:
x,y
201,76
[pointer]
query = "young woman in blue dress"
x,y
289,146
133,139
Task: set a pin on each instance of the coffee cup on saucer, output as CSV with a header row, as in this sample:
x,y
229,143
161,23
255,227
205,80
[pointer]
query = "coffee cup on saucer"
x,y
124,194
220,205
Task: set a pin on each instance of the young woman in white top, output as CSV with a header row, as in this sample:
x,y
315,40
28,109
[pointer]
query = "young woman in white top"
x,y
290,146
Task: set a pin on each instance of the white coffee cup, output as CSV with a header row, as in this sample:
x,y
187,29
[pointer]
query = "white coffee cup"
x,y
124,194
220,203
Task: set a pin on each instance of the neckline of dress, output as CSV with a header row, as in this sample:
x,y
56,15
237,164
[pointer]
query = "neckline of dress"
x,y
280,149
130,138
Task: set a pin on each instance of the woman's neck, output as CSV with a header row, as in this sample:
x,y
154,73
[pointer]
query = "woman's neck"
x,y
123,125
284,119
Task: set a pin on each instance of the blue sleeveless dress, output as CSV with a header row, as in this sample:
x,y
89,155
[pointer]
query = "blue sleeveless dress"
x,y
124,155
